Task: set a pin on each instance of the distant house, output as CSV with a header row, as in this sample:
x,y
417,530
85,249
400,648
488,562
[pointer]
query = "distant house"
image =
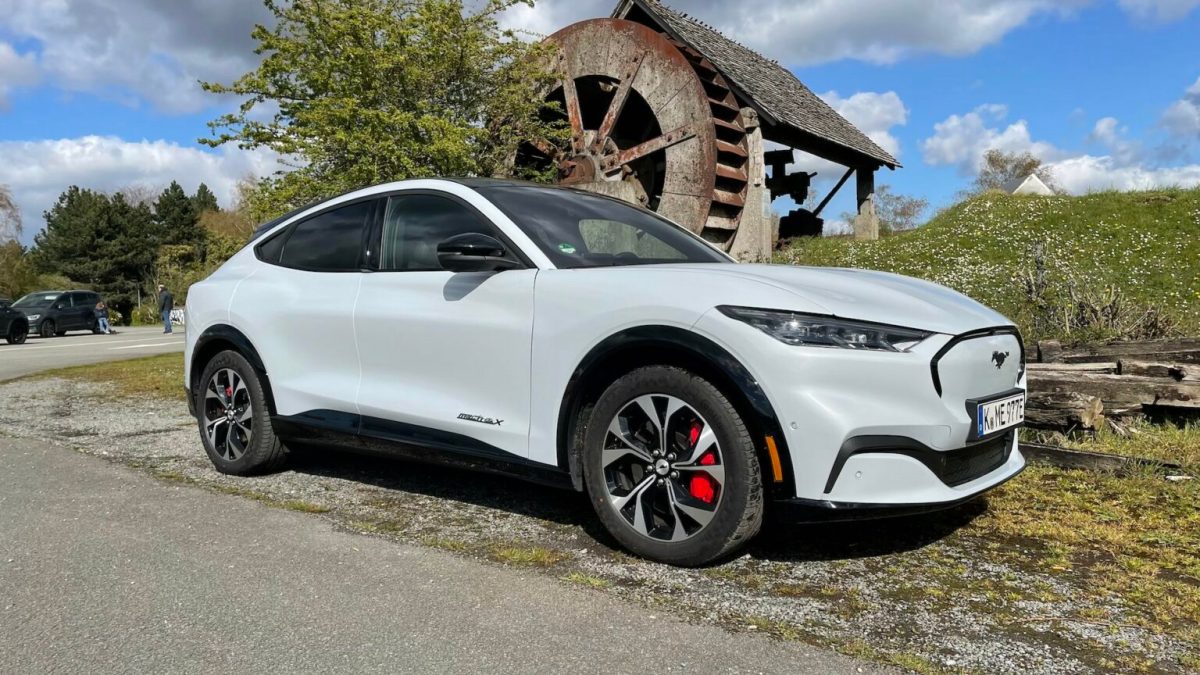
x,y
1029,185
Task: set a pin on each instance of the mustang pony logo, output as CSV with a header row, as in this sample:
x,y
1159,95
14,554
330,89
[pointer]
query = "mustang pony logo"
x,y
998,359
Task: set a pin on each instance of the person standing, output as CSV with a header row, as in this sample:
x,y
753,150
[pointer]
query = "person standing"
x,y
166,302
102,317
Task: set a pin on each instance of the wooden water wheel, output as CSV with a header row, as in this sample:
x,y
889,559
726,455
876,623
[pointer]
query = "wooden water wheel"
x,y
652,122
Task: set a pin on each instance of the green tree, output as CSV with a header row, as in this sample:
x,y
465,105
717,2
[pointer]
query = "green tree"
x,y
100,242
10,216
366,91
1001,168
17,275
204,200
896,212
177,219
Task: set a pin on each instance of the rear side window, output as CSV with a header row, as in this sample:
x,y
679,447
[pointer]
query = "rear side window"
x,y
328,242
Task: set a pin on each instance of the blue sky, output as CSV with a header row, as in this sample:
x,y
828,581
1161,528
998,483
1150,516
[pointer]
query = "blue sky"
x,y
102,93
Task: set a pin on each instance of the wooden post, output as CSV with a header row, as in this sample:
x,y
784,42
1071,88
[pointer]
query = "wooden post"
x,y
866,223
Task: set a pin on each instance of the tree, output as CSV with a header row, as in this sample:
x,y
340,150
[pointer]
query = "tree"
x,y
896,212
367,91
101,242
1001,168
204,200
10,216
177,219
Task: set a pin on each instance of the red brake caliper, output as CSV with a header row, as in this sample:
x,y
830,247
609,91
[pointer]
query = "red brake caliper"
x,y
701,484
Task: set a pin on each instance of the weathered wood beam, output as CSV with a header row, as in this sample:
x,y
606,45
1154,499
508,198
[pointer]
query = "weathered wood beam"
x,y
845,177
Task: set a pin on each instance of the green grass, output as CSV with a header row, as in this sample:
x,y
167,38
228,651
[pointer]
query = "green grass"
x,y
1143,245
155,376
531,556
1164,442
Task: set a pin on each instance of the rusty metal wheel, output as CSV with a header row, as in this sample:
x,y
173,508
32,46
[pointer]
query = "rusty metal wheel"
x,y
652,122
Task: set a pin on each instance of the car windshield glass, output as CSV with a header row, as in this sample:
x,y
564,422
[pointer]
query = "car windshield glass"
x,y
36,300
577,229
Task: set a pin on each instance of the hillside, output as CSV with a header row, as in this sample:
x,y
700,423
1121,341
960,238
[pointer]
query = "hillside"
x,y
1076,268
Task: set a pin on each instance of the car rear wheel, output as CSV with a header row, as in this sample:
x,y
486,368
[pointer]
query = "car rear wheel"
x,y
671,469
17,333
47,329
235,424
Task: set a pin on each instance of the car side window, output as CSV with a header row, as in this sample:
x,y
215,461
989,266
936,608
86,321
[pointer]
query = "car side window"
x,y
328,242
413,225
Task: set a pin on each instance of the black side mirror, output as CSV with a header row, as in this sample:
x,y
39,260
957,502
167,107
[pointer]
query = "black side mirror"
x,y
473,252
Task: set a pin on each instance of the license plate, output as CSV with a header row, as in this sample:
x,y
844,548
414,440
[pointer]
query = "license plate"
x,y
998,415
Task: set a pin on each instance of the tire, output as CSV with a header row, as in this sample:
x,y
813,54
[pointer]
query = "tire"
x,y
17,333
47,329
680,482
239,443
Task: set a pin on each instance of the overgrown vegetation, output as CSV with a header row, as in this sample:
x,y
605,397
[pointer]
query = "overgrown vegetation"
x,y
1099,266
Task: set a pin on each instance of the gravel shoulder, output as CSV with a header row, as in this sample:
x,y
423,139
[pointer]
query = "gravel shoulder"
x,y
957,592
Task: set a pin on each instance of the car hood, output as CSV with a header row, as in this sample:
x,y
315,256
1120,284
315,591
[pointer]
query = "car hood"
x,y
870,296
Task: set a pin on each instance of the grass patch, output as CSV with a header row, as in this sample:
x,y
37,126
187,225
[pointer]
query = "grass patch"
x,y
1134,538
1140,246
586,580
157,376
445,544
1164,442
302,506
530,556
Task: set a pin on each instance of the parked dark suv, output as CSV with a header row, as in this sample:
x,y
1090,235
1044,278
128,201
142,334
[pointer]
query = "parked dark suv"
x,y
13,325
56,312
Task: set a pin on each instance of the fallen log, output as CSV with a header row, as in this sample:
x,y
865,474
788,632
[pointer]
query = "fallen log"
x,y
1092,461
1180,372
1180,350
1063,411
1104,367
1121,394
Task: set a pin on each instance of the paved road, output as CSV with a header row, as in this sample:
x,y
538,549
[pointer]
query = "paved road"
x,y
75,349
103,569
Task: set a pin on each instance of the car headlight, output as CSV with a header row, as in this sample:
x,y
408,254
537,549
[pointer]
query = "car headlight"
x,y
824,331
33,317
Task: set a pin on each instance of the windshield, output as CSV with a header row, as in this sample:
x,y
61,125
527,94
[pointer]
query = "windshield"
x,y
37,300
577,229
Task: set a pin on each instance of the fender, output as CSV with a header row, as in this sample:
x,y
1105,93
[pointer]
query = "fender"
x,y
641,345
220,337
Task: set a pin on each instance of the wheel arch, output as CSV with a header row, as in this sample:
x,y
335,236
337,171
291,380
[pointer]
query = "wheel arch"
x,y
640,346
222,337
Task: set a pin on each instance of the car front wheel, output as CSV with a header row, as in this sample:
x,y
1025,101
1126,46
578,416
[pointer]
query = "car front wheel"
x,y
671,469
17,333
235,424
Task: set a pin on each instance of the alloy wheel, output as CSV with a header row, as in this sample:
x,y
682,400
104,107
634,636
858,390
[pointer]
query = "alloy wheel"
x,y
228,414
663,468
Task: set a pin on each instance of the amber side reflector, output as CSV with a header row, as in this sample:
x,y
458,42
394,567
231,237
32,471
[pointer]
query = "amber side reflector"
x,y
776,466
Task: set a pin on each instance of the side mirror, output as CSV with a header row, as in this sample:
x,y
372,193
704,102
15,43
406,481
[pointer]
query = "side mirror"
x,y
473,252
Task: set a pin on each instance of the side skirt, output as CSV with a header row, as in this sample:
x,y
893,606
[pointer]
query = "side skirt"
x,y
408,441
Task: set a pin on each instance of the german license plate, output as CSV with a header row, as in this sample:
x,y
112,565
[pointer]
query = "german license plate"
x,y
1000,414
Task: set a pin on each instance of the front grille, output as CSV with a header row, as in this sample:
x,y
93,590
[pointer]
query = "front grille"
x,y
965,465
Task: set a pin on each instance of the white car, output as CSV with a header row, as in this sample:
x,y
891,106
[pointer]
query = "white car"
x,y
576,340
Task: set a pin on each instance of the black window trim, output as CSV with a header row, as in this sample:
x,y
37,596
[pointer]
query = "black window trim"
x,y
377,233
286,233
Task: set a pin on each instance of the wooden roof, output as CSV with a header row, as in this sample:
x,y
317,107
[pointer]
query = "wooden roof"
x,y
792,113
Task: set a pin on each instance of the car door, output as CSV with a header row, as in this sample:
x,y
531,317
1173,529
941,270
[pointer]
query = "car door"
x,y
297,309
69,316
445,355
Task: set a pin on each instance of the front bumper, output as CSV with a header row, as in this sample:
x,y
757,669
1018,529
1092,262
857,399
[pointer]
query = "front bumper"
x,y
874,430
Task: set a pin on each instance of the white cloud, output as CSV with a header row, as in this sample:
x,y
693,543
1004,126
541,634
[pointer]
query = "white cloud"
x,y
1182,118
16,70
1088,173
962,140
134,50
1159,10
817,31
873,113
38,171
